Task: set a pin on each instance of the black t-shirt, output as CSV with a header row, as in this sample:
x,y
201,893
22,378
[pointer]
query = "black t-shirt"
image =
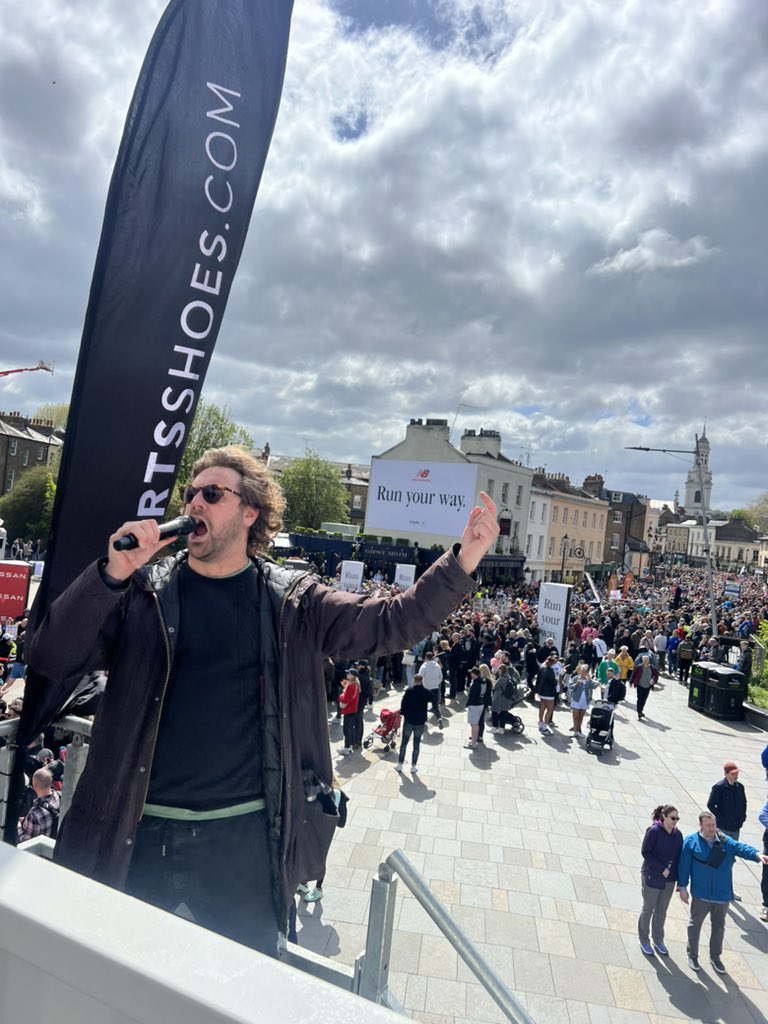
x,y
209,744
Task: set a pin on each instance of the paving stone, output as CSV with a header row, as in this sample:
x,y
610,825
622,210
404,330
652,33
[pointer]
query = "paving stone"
x,y
483,1007
415,995
513,876
438,959
363,856
521,858
439,866
554,937
629,989
472,921
577,979
622,895
524,903
597,944
611,1015
446,997
533,971
525,859
476,896
499,899
589,890
512,930
405,950
476,872
442,828
446,892
551,883
588,913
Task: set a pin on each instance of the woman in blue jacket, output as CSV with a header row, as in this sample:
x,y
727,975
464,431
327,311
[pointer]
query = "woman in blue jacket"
x,y
658,876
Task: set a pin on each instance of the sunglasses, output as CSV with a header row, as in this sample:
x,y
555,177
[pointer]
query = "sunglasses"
x,y
675,817
212,493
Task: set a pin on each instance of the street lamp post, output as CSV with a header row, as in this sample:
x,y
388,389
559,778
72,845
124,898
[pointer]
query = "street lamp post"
x,y
707,555
562,564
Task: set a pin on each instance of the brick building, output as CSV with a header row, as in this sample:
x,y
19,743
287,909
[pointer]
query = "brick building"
x,y
24,444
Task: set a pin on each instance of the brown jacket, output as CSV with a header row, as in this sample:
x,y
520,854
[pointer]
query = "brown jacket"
x,y
132,634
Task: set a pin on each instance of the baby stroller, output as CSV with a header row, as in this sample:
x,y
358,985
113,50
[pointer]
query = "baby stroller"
x,y
600,733
387,729
515,721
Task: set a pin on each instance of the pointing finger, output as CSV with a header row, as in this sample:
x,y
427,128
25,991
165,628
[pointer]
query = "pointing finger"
x,y
489,503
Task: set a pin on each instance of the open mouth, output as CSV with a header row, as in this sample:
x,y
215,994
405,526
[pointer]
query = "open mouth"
x,y
200,530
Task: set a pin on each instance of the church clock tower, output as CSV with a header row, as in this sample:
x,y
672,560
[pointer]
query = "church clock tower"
x,y
692,502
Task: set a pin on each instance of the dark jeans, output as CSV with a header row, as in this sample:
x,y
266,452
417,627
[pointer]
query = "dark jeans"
x,y
219,869
417,731
455,677
349,725
764,879
434,700
642,697
461,678
500,718
684,670
357,730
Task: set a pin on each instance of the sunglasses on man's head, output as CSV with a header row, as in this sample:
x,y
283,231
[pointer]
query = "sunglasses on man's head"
x,y
212,493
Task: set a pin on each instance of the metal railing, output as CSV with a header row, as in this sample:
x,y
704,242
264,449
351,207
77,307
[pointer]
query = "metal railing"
x,y
758,658
375,966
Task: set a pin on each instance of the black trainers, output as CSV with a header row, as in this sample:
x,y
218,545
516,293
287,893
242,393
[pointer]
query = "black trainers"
x,y
718,964
693,963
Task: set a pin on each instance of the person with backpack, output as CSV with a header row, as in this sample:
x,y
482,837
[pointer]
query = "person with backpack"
x,y
42,819
503,697
686,652
476,701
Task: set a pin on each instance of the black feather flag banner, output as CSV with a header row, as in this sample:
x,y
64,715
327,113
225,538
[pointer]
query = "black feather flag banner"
x,y
187,172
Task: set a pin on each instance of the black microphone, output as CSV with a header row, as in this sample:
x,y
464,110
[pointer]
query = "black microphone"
x,y
178,527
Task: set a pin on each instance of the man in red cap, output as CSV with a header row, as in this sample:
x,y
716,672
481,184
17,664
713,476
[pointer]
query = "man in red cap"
x,y
728,803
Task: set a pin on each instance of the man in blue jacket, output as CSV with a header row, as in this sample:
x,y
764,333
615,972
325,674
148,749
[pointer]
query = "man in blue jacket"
x,y
707,861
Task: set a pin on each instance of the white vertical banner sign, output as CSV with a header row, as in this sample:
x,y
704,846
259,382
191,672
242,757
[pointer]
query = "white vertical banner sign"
x,y
351,576
554,608
405,576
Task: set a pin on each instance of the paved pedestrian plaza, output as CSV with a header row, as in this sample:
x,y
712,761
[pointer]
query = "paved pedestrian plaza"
x,y
533,845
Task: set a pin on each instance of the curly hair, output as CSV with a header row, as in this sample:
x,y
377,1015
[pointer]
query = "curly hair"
x,y
259,490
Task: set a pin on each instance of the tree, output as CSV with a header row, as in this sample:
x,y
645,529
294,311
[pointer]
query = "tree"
x,y
56,412
212,427
314,493
744,515
758,511
27,509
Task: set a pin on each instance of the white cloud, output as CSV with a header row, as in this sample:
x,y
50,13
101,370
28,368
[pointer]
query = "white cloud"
x,y
655,250
555,212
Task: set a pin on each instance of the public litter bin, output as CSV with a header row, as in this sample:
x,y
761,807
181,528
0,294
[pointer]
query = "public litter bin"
x,y
697,685
722,690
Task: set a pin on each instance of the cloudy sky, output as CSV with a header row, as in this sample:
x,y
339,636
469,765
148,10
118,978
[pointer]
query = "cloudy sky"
x,y
547,216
